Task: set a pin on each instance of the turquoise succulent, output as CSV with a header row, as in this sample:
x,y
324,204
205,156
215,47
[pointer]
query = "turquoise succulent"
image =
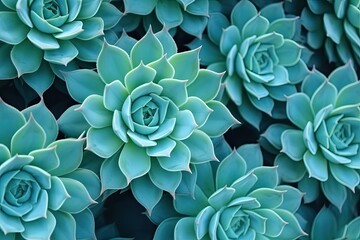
x,y
261,60
334,25
243,200
147,117
324,145
191,16
54,33
43,193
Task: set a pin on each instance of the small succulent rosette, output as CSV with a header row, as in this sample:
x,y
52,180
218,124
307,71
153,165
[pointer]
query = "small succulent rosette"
x,y
43,193
261,60
335,26
151,115
240,199
191,16
54,34
324,145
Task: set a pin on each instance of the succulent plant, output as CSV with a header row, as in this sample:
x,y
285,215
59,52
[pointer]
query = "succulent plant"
x,y
324,145
53,33
334,25
147,116
261,60
241,200
43,192
191,16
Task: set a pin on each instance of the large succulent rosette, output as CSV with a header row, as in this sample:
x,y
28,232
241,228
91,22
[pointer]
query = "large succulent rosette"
x,y
335,26
261,61
190,16
239,202
43,193
151,115
325,143
53,33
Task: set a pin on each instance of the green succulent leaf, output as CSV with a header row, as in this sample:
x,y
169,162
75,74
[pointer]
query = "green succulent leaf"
x,y
293,144
72,122
47,226
85,225
316,165
184,126
95,112
325,219
109,169
65,226
201,147
169,13
199,109
184,229
191,206
292,230
57,194
134,6
294,103
344,175
335,192
178,160
230,169
208,80
20,52
96,144
14,32
188,71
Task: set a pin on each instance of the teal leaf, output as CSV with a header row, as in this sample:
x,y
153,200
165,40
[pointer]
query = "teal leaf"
x,y
7,69
343,76
311,188
325,219
146,193
256,26
88,50
230,38
210,52
96,143
168,13
165,230
289,170
10,224
163,69
335,192
70,30
185,229
345,176
163,148
273,134
138,76
134,161
292,198
42,40
252,154
115,94
20,143
234,88
46,158
95,113
229,170
45,118
267,177
47,226
199,109
62,55
349,95
139,7
70,153
91,28
111,175
202,220
188,71
325,95
273,227
85,225
14,31
79,196
289,53
246,10
293,144
13,121
175,90
191,206
201,147
316,165
4,153
19,55
221,197
83,83
41,79
193,24
142,52
216,22
294,103
178,160
284,26
110,15
65,226
57,194
208,80
113,63
89,8
292,230
267,197
167,42
219,121
184,126
72,122
39,210
188,183
333,27
163,179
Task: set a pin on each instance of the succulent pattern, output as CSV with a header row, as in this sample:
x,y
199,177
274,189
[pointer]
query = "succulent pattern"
x,y
147,116
53,33
334,25
240,202
44,193
325,142
191,16
261,60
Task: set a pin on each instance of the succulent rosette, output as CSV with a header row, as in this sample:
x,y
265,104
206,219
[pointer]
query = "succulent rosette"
x,y
261,60
43,193
191,16
151,114
325,143
236,201
53,33
335,26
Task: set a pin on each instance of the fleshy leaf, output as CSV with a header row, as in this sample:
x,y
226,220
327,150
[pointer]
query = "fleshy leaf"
x,y
95,112
47,226
85,225
20,52
201,147
184,126
325,219
230,169
186,65
72,122
175,90
14,31
57,194
293,144
169,13
96,143
208,80
316,165
178,160
109,169
335,192
65,226
296,102
184,229
344,175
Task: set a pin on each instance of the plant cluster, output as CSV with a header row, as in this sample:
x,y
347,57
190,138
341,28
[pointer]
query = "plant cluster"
x,y
179,119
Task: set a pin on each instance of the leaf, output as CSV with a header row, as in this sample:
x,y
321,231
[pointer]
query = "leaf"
x,y
41,79
85,225
79,196
201,147
20,60
96,143
186,65
289,170
88,50
348,95
191,205
209,81
293,144
325,219
199,109
65,226
91,28
335,192
111,175
256,26
219,121
70,153
245,9
221,197
88,8
146,193
175,90
95,113
193,24
267,197
139,7
110,14
230,37
292,229
229,170
165,180
316,165
344,175
292,198
72,122
134,161
83,83
113,63
273,227
45,158
163,148
184,126
147,49
184,229
47,226
325,95
62,55
14,31
20,142
168,13
178,160
57,194
296,102
7,68
42,40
